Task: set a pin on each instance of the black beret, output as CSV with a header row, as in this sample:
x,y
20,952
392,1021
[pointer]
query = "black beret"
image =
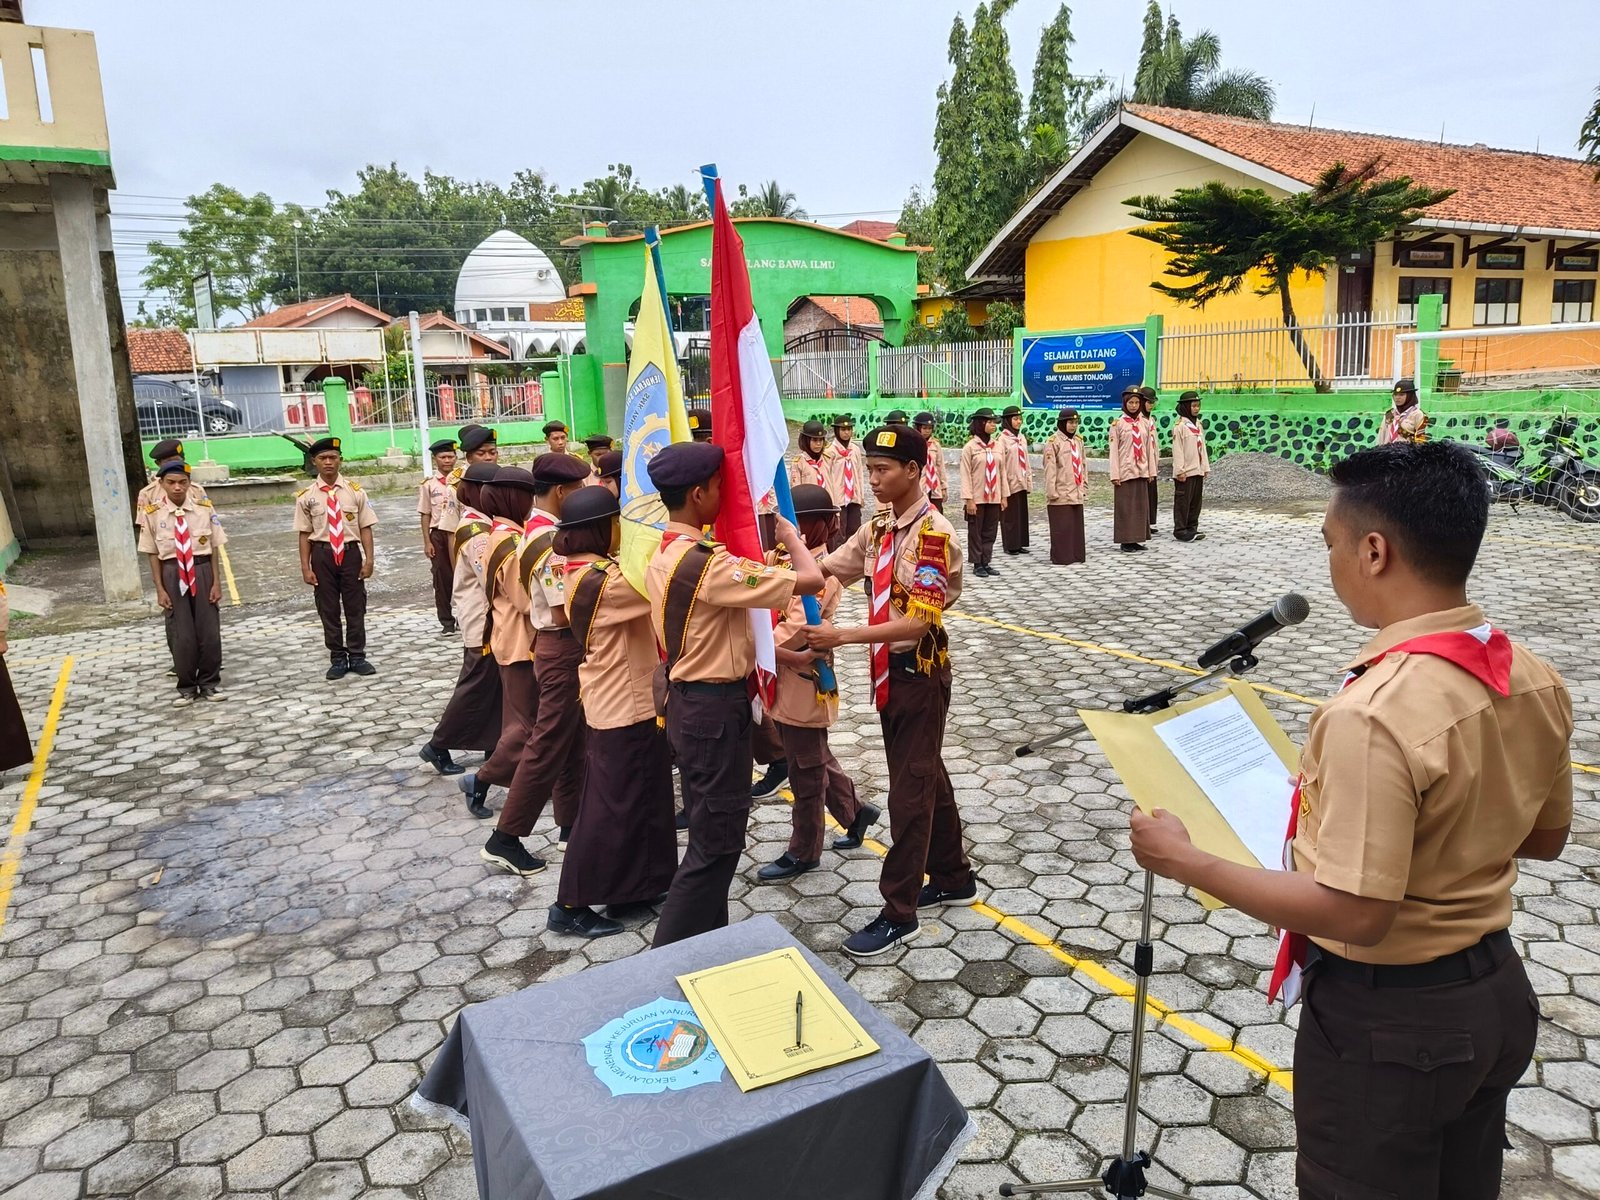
x,y
684,464
985,414
476,437
559,468
588,505
921,419
443,446
699,420
163,450
897,442
173,468
513,477
1011,410
609,465
897,416
809,499
598,441
813,429
480,472
553,427
843,420
322,444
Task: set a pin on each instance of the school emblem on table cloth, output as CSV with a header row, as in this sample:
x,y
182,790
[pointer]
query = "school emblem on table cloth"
x,y
653,1048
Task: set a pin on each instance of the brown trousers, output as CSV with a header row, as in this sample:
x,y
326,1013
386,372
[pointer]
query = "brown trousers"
x,y
1186,497
766,742
340,585
550,767
818,782
194,627
849,522
923,821
1014,524
1066,534
519,708
442,565
1154,500
1401,1091
708,728
471,721
981,529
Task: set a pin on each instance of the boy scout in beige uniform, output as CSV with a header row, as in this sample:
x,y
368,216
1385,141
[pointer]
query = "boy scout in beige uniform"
x,y
335,523
1443,760
179,535
440,513
170,450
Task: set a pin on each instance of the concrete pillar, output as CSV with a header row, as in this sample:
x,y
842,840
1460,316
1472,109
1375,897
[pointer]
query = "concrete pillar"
x,y
77,235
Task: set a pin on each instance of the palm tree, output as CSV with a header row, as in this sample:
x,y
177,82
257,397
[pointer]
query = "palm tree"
x,y
1589,135
684,204
771,200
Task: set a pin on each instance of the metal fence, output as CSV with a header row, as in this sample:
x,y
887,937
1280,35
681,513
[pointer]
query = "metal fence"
x,y
946,369
1510,357
1356,349
371,408
822,374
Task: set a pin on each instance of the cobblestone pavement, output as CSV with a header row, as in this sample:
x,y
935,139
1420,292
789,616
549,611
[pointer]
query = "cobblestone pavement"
x,y
239,931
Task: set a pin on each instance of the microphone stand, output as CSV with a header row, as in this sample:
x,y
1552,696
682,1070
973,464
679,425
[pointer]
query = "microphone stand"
x,y
1124,1178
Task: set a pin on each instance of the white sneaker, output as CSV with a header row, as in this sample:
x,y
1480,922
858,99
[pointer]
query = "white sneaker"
x,y
184,700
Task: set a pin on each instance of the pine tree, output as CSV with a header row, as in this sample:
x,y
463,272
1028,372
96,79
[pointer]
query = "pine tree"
x,y
1052,72
955,176
998,153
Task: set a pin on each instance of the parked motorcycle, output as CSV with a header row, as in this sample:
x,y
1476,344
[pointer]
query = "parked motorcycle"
x,y
1555,473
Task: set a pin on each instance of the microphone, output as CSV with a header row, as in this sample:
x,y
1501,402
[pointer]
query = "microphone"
x,y
1289,609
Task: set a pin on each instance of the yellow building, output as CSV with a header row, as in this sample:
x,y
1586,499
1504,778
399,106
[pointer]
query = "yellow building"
x,y
1517,244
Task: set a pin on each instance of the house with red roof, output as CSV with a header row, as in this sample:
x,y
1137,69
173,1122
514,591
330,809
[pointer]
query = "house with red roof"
x,y
1518,243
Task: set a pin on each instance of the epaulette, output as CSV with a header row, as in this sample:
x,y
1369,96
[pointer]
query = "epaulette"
x,y
353,485
150,508
302,491
205,502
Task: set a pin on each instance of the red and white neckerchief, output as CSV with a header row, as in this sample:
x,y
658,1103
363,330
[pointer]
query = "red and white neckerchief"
x,y
847,478
1020,445
497,525
1136,432
335,523
538,519
1484,653
991,474
819,475
932,481
183,546
472,514
878,612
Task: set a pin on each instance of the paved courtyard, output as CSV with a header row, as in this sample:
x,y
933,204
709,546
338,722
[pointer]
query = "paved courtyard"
x,y
238,932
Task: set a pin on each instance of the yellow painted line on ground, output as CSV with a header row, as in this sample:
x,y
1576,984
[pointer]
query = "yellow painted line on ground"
x,y
1109,981
12,861
227,573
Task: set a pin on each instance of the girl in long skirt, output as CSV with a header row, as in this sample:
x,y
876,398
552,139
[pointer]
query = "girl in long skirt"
x,y
1190,466
1066,486
1130,451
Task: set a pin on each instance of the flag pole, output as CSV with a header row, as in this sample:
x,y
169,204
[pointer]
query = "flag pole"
x,y
826,682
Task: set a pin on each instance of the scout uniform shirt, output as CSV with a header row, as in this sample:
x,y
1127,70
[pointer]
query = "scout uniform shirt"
x,y
983,471
150,495
436,500
1152,448
205,531
620,656
1019,469
718,646
510,635
858,555
311,510
1125,464
543,578
815,471
468,599
1420,782
1189,457
933,472
847,472
1407,426
1066,470
797,702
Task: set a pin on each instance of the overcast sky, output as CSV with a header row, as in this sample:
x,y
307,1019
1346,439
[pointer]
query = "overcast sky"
x,y
833,98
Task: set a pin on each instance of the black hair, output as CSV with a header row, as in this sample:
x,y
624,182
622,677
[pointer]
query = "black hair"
x,y
1431,500
674,498
592,537
544,489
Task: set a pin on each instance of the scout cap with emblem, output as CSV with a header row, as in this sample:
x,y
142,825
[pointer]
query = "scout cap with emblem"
x,y
923,420
597,442
843,421
475,437
443,446
609,465
1406,384
1131,390
699,423
811,500
985,414
322,446
172,468
813,429
588,505
899,443
557,468
897,416
515,477
1147,393
163,450
1011,410
482,472
684,464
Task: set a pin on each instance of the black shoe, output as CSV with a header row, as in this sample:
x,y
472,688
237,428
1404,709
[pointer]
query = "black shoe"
x,y
931,897
581,922
172,672
786,867
769,783
210,693
681,821
509,854
449,627
1023,550
1132,547
339,668
1199,537
361,666
635,908
883,934
439,760
476,794
562,835
854,835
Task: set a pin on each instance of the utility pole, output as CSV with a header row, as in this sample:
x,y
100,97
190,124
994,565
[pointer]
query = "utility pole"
x,y
419,388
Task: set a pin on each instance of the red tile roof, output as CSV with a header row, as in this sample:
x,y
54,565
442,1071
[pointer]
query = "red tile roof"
x,y
849,310
159,351
438,320
1493,187
878,231
296,316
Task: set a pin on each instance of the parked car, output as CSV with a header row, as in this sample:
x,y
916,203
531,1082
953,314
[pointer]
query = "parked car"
x,y
167,409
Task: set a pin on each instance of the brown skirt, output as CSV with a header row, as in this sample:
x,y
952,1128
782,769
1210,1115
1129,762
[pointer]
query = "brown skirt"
x,y
1130,521
1066,534
15,749
471,721
623,848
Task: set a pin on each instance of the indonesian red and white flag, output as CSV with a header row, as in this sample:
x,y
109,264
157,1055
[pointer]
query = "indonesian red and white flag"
x,y
746,414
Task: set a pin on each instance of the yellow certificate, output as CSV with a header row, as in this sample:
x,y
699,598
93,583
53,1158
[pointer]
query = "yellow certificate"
x,y
771,1018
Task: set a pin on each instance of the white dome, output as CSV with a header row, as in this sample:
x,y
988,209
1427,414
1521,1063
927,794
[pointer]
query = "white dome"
x,y
507,268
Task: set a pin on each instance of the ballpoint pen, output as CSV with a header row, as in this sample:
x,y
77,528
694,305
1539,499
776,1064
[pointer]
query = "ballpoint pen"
x,y
799,1017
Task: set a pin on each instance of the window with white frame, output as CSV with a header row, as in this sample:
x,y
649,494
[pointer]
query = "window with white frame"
x,y
1572,300
1414,287
1497,302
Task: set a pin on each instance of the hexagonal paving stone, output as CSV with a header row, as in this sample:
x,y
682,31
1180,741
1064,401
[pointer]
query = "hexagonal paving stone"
x,y
407,1158
128,1169
219,1139
334,1065
267,1163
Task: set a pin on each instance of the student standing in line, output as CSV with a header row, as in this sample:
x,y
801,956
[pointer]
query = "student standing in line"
x,y
1129,451
1444,759
1066,487
983,488
1152,469
1019,473
149,497
438,509
809,466
608,471
179,537
1190,466
933,473
1405,421
555,437
847,474
335,523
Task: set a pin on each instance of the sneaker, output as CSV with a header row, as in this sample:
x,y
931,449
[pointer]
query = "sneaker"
x,y
361,666
932,897
210,693
1199,537
339,668
184,699
476,794
768,785
509,854
854,836
786,867
439,760
880,936
172,672
581,922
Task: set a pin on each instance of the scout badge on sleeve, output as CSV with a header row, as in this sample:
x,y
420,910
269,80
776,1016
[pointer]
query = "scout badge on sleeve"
x,y
925,597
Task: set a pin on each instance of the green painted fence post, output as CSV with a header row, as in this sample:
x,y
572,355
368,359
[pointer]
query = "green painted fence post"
x,y
336,399
1017,335
1430,319
874,377
1153,324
